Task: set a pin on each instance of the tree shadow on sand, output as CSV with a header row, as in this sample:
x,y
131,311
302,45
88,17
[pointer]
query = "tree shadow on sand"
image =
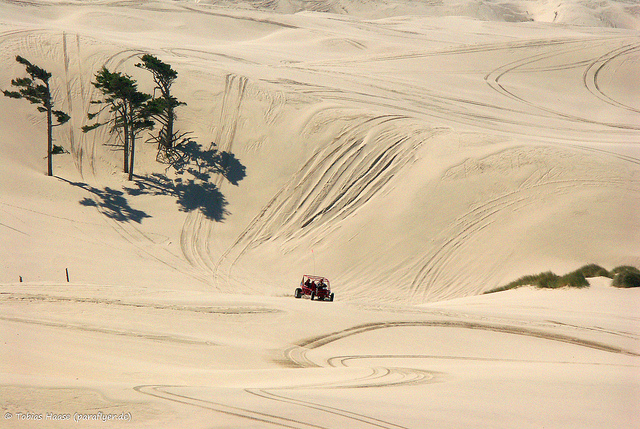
x,y
190,194
110,202
195,170
202,164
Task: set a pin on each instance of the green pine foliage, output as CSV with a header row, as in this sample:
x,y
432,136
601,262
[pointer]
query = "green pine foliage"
x,y
164,104
36,90
130,111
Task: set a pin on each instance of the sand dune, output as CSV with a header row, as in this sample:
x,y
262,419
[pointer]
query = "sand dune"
x,y
475,150
416,153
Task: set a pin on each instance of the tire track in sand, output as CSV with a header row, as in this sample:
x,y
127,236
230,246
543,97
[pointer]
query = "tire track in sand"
x,y
295,355
338,179
161,392
589,80
197,229
432,273
592,73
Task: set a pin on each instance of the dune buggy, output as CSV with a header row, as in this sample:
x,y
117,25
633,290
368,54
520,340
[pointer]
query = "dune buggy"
x,y
316,287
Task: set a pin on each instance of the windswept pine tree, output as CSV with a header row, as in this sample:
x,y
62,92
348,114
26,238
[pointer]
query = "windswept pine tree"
x,y
36,89
165,104
131,111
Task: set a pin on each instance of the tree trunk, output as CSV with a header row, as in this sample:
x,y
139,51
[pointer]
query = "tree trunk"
x,y
169,137
49,143
168,128
49,135
131,158
125,118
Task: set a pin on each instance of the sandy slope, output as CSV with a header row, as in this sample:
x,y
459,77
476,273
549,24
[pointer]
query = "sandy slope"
x,y
525,358
476,150
410,151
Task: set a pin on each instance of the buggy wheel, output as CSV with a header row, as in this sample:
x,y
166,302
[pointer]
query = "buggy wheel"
x,y
298,293
331,296
313,295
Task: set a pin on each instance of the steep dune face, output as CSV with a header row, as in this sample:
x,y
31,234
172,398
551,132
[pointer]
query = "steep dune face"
x,y
589,13
622,14
413,158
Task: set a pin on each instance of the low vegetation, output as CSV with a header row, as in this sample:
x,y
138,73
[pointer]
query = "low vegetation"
x,y
626,277
594,270
623,276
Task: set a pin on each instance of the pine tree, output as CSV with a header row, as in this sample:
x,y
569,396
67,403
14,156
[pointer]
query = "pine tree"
x,y
140,114
165,103
36,89
130,111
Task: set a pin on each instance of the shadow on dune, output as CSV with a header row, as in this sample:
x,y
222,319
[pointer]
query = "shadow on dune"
x,y
196,174
190,194
110,202
203,164
194,186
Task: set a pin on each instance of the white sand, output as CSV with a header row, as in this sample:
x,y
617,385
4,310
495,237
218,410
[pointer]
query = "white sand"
x,y
416,153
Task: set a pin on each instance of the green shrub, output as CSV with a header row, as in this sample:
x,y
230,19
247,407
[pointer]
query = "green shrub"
x,y
624,276
548,280
542,280
500,289
573,279
627,279
593,270
625,268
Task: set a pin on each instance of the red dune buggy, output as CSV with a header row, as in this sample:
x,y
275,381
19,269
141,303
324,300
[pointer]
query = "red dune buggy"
x,y
316,287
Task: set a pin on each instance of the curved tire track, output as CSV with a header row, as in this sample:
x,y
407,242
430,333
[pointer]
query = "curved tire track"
x,y
296,354
591,74
160,391
350,415
589,79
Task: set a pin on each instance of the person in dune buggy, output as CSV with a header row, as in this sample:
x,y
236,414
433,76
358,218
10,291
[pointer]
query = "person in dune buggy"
x,y
316,287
